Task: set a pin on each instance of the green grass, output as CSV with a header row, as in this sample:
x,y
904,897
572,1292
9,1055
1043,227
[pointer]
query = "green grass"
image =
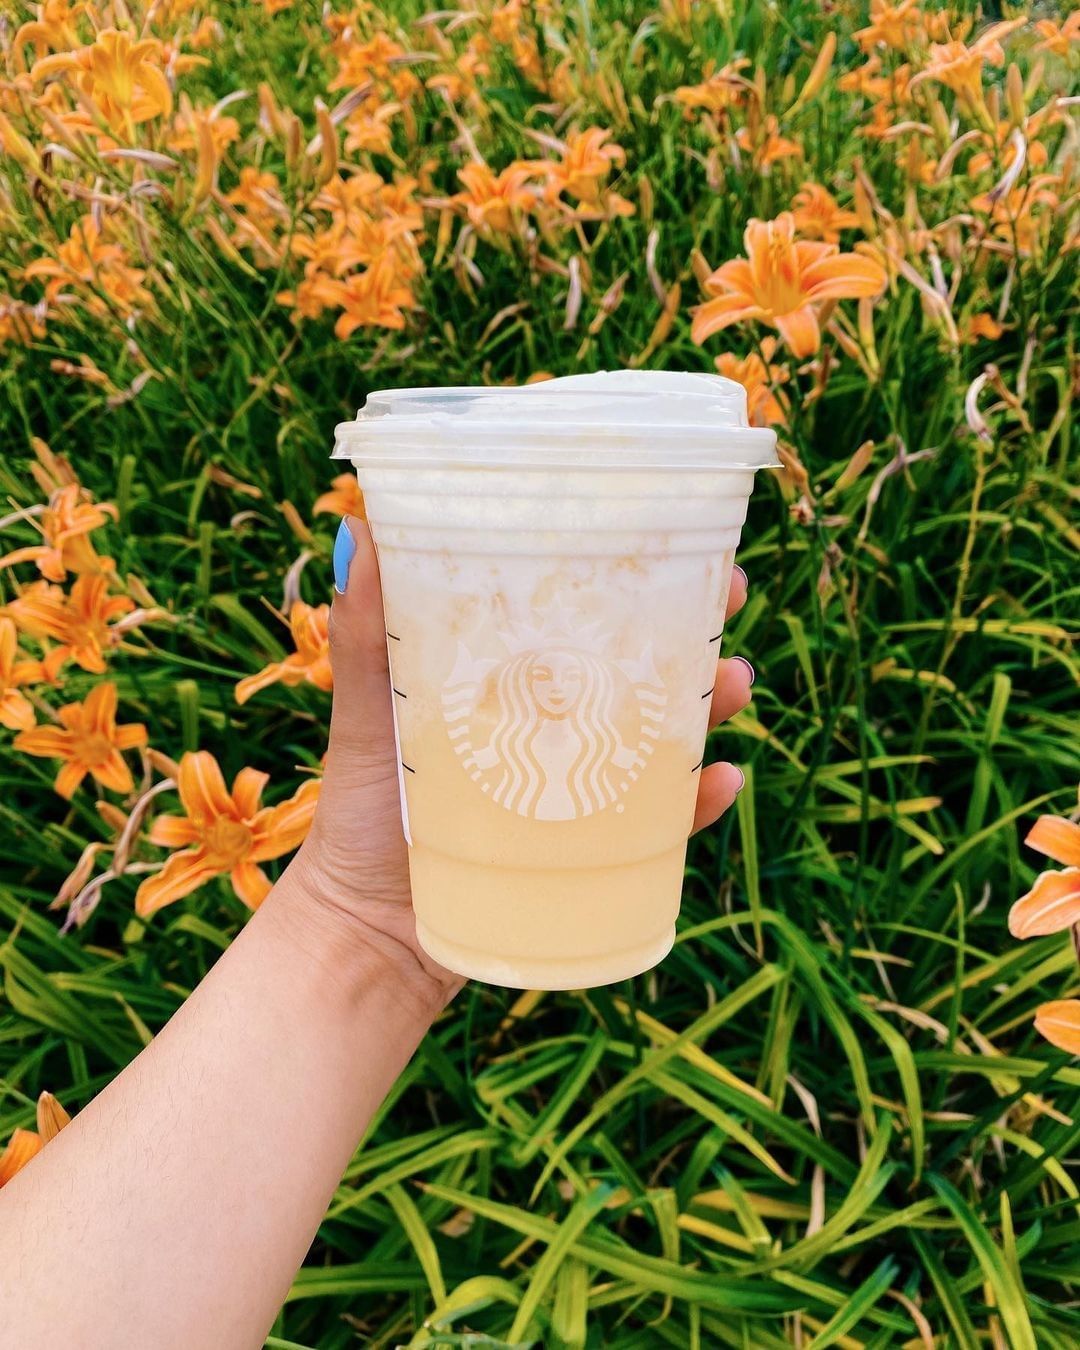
x,y
826,1115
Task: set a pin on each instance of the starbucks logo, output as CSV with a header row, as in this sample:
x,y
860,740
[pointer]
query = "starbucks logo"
x,y
553,728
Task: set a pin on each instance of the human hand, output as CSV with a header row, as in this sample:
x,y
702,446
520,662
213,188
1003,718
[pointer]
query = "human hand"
x,y
355,859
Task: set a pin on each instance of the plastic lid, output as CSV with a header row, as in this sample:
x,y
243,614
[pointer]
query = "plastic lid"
x,y
610,419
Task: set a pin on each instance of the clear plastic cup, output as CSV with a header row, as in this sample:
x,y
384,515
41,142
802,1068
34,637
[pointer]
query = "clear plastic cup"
x,y
555,565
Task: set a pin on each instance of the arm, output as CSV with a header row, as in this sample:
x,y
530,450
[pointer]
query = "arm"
x,y
175,1209
180,1203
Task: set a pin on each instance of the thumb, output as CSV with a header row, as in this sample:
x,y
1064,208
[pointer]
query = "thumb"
x,y
361,724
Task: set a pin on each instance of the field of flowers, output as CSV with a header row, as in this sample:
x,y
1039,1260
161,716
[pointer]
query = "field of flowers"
x,y
830,1117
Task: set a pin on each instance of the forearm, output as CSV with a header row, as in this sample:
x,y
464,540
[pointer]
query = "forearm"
x,y
176,1208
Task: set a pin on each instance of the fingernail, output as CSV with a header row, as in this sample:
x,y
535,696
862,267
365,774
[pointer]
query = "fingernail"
x,y
745,578
344,551
742,779
746,663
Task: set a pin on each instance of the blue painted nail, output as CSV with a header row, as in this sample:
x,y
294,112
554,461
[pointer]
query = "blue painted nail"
x,y
344,550
748,666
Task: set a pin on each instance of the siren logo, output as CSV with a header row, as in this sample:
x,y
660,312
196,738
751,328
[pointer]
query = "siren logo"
x,y
553,728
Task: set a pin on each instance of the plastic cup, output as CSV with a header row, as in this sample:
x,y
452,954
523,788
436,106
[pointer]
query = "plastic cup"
x,y
555,565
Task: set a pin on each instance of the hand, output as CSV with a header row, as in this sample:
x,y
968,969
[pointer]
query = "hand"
x,y
355,860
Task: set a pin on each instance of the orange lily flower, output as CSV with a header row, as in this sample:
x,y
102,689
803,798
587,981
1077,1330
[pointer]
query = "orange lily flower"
x,y
1018,217
373,298
759,378
721,89
783,282
891,25
765,145
88,741
1057,38
85,260
259,196
982,325
82,622
309,664
818,215
66,524
27,1144
123,78
369,127
492,201
344,497
223,832
1053,903
959,67
16,713
583,171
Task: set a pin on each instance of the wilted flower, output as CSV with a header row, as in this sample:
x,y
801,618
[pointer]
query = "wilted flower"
x,y
782,282
308,664
88,741
223,832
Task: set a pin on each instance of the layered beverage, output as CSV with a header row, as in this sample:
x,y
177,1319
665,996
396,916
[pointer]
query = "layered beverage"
x,y
555,566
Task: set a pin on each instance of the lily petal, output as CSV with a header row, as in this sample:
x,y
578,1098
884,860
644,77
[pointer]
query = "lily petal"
x,y
183,873
251,684
250,883
173,832
1051,906
844,277
800,331
1057,838
16,713
69,778
54,742
24,1145
247,790
202,788
715,314
1059,1022
114,773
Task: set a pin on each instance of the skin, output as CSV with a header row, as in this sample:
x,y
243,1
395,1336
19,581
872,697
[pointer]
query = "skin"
x,y
176,1208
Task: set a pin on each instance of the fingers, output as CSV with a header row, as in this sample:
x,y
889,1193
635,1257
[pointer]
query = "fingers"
x,y
737,591
361,718
731,690
718,787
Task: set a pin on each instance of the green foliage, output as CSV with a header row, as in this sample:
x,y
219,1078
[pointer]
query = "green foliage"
x,y
826,1114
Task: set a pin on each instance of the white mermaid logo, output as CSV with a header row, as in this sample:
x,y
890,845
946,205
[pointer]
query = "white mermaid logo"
x,y
554,729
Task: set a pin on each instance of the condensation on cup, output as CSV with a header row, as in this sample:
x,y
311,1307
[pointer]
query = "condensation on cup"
x,y
555,564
